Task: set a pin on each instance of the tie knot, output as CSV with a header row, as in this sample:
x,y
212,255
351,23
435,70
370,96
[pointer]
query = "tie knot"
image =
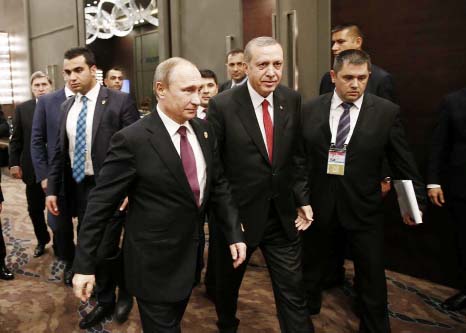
x,y
265,103
182,130
84,99
346,106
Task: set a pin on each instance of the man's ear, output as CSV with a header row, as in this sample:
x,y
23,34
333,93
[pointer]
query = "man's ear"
x,y
359,42
333,75
159,89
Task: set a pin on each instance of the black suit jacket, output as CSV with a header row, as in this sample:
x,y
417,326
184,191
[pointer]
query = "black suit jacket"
x,y
20,142
113,111
380,84
164,223
356,196
256,183
447,165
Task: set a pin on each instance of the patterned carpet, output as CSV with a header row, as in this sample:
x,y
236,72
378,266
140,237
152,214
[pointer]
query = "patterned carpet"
x,y
37,301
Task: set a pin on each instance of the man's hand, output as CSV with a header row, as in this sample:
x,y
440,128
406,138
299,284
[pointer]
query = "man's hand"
x,y
52,206
385,187
238,253
408,220
124,204
436,196
43,183
305,217
83,285
16,172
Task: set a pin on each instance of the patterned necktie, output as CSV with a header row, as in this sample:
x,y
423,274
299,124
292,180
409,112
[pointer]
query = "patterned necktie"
x,y
343,125
268,126
189,163
80,143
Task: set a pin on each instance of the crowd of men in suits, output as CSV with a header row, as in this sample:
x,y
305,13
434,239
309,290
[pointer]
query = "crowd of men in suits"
x,y
265,170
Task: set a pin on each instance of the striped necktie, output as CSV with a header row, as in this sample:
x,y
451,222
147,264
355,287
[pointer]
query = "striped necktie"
x,y
80,143
343,125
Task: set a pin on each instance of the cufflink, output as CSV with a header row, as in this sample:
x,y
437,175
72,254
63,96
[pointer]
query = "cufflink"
x,y
281,107
206,135
242,228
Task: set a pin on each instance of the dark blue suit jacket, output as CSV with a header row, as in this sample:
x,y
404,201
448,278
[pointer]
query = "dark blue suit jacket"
x,y
45,126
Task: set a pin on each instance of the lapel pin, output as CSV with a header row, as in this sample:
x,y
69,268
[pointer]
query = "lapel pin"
x,y
206,135
104,101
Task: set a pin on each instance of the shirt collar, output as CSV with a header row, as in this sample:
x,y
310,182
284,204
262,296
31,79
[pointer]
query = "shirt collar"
x,y
91,94
171,125
234,84
68,92
258,99
336,101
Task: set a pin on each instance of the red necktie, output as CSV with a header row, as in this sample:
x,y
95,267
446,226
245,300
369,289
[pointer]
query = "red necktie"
x,y
189,163
268,126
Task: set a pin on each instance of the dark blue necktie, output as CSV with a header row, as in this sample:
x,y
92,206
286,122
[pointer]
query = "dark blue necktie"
x,y
79,159
343,125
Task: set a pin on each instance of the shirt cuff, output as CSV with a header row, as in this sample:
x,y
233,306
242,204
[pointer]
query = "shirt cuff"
x,y
433,186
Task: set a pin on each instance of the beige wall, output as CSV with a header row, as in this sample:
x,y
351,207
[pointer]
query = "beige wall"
x,y
199,30
52,32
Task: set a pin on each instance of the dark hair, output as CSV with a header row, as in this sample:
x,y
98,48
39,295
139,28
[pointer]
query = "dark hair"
x,y
353,57
233,52
208,74
354,28
81,51
119,69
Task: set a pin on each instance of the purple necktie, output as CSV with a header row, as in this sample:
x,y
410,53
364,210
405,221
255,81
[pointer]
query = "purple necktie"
x,y
189,163
343,125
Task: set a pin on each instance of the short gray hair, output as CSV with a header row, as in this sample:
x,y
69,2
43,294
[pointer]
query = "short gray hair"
x,y
259,42
39,75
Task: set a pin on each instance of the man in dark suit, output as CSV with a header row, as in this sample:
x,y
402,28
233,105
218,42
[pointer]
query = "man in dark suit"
x,y
89,120
446,177
21,163
236,70
346,135
5,273
44,135
346,37
257,130
168,165
349,36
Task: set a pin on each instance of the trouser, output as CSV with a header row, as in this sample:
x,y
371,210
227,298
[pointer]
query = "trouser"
x,y
2,245
63,231
109,265
283,259
456,209
161,317
366,247
35,197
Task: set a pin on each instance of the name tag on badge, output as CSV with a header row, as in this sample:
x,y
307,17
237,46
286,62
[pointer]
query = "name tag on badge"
x,y
336,161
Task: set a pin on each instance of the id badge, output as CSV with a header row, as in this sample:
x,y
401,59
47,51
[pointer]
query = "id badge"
x,y
336,161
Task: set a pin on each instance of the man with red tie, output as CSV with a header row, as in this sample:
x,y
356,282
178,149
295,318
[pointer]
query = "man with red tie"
x,y
167,164
256,126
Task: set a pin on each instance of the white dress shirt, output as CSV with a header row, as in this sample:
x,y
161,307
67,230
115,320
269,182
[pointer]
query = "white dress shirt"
x,y
172,128
234,84
336,110
257,104
201,112
68,92
72,122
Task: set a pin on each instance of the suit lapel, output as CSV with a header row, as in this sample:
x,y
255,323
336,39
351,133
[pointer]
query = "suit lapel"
x,y
203,137
362,122
281,116
248,117
99,110
163,144
326,118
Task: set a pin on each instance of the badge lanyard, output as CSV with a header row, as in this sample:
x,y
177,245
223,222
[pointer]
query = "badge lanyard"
x,y
336,156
